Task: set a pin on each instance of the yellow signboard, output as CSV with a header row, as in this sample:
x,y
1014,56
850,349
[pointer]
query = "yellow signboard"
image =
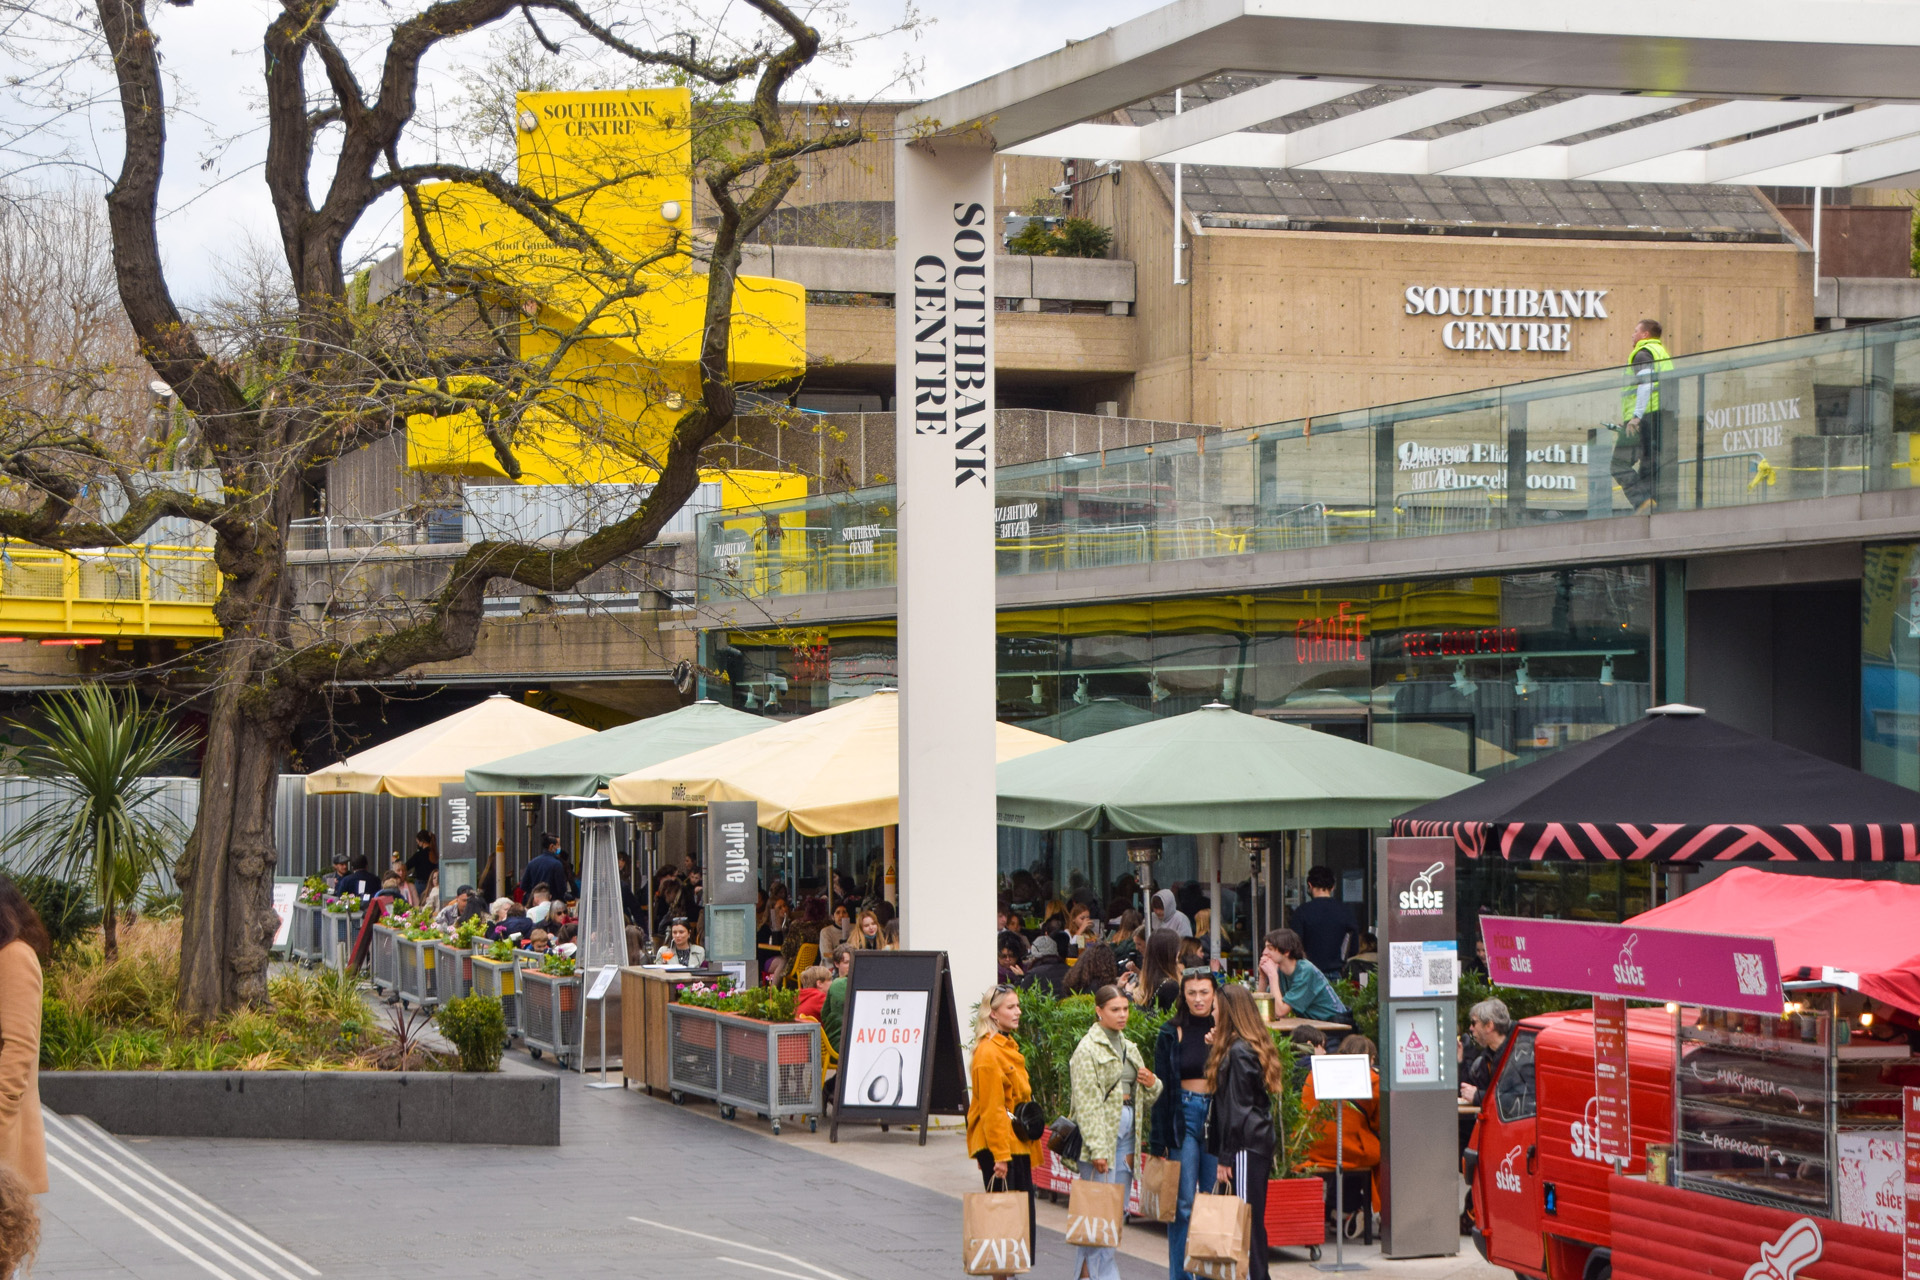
x,y
609,278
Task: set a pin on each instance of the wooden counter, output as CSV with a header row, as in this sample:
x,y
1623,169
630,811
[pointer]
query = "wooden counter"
x,y
645,994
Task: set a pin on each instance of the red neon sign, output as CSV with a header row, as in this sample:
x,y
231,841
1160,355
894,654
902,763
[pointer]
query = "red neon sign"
x,y
1339,637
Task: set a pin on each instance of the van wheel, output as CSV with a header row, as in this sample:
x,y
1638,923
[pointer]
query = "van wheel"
x,y
1599,1266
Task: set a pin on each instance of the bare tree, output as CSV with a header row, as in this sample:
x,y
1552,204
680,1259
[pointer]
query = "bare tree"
x,y
273,397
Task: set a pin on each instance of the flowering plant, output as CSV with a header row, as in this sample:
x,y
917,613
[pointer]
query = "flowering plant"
x,y
469,929
558,966
313,892
346,904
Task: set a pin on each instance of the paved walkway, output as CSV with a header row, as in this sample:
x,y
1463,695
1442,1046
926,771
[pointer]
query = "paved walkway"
x,y
638,1188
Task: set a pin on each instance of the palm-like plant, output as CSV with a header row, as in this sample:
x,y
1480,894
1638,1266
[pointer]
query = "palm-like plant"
x,y
97,757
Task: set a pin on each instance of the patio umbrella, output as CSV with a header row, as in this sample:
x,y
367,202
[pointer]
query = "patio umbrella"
x,y
833,771
421,762
1678,787
1210,771
1086,719
581,766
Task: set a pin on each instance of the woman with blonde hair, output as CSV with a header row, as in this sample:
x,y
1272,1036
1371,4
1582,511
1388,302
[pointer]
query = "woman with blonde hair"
x,y
866,931
1244,1071
1000,1084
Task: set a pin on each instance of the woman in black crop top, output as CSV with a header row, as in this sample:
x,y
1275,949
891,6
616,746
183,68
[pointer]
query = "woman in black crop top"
x,y
1178,1131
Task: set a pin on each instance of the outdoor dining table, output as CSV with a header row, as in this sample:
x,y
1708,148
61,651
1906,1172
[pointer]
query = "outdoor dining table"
x,y
1288,1024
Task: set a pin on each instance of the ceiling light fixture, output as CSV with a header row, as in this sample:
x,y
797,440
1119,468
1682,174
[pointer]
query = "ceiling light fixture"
x,y
1461,684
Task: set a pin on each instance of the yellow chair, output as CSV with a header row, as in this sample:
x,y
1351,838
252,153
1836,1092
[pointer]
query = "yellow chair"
x,y
804,958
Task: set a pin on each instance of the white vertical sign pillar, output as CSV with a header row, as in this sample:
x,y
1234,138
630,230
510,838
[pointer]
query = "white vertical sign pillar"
x,y
943,318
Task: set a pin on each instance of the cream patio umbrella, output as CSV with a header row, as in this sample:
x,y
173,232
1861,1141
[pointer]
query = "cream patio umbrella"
x,y
419,763
834,771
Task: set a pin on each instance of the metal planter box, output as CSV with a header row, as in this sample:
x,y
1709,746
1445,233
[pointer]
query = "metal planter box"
x,y
337,933
550,1014
416,973
452,971
384,959
303,934
496,978
771,1068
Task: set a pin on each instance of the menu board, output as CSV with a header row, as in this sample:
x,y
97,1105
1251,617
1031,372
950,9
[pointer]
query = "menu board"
x,y
1910,1109
1612,1123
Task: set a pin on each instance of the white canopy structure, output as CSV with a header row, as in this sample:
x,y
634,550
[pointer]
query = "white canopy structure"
x,y
1781,92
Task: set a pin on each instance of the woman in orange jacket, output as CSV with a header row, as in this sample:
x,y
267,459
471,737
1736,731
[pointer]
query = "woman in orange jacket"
x,y
999,1085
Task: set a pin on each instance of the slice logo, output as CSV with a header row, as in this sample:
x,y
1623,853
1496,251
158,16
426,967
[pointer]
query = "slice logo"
x,y
1625,971
1420,898
1583,1137
1799,1246
1507,1176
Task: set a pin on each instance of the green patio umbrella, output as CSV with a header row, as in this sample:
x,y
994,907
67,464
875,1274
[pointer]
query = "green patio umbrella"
x,y
581,766
1214,770
1086,719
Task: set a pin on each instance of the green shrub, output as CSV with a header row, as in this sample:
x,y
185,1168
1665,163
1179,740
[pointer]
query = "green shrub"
x,y
63,905
477,1028
1068,238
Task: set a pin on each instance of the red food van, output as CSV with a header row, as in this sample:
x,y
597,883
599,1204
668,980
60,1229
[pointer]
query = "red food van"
x,y
1539,1183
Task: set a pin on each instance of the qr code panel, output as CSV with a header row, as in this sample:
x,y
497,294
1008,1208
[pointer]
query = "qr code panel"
x,y
1406,962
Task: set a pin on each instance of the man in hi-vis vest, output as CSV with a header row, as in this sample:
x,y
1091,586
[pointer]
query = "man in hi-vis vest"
x,y
1637,452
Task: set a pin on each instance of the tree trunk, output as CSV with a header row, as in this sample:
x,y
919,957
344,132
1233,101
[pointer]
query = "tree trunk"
x,y
226,872
110,931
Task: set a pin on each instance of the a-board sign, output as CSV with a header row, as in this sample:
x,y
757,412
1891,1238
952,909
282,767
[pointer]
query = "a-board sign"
x,y
1611,1111
900,1049
285,894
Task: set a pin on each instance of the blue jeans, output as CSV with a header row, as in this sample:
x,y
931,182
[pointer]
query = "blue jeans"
x,y
1197,1169
1099,1263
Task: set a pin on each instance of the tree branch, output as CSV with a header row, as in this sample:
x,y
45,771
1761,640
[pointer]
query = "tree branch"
x,y
166,341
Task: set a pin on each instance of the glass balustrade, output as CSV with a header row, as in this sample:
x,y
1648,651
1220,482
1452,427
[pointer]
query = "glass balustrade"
x,y
1815,416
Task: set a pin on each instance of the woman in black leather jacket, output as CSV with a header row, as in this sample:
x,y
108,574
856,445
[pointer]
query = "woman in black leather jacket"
x,y
1246,1073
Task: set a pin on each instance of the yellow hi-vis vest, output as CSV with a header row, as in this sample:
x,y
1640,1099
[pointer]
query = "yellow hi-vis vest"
x,y
1662,361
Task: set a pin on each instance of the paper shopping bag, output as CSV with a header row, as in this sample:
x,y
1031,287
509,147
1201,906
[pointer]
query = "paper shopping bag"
x,y
1094,1213
993,1233
1219,1237
1159,1188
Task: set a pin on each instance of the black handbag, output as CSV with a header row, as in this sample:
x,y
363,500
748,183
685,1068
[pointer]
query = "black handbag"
x,y
1029,1121
1063,1139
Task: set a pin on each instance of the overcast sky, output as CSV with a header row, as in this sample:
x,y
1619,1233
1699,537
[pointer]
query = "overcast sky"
x,y
214,201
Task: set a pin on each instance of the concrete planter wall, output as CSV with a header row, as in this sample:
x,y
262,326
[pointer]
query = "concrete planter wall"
x,y
337,1106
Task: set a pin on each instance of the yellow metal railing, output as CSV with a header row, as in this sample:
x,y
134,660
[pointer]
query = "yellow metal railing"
x,y
110,591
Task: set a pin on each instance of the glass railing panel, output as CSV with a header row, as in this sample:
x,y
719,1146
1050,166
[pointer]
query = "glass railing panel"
x,y
1316,483
1443,466
1821,415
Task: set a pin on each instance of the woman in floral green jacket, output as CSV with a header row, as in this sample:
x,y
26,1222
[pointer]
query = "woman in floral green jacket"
x,y
1111,1086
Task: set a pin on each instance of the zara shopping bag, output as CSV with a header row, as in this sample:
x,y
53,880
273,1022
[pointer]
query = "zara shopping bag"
x,y
1220,1237
993,1233
1095,1211
1159,1188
